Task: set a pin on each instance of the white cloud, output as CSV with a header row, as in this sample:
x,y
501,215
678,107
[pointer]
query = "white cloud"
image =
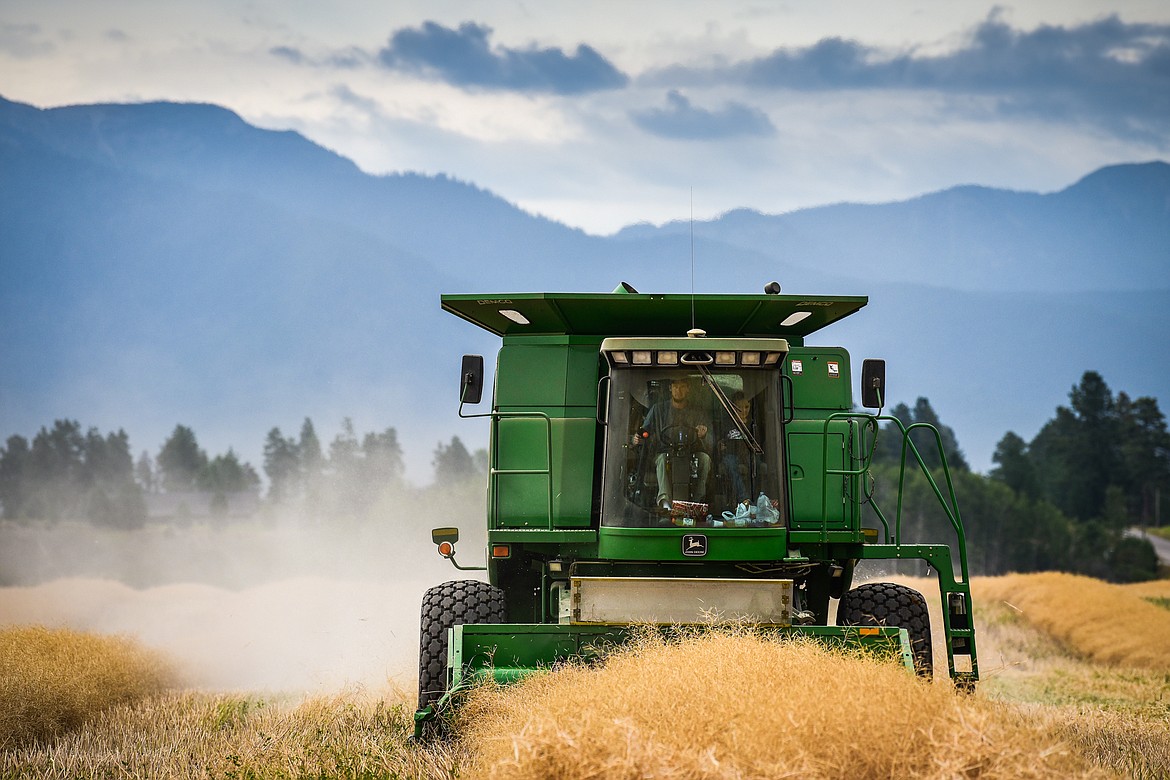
x,y
582,158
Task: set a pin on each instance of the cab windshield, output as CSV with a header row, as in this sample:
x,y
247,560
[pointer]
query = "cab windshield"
x,y
694,447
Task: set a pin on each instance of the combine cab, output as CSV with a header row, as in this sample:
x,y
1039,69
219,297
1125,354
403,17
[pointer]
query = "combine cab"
x,y
644,471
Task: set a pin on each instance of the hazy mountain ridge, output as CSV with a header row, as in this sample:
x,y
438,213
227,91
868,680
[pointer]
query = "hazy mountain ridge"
x,y
1108,231
166,263
211,149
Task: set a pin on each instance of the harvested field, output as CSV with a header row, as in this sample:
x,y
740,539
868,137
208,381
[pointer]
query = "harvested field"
x,y
741,706
708,707
1091,671
1104,623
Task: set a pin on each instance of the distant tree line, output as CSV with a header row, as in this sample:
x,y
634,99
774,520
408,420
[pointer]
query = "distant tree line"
x,y
1062,501
68,473
355,473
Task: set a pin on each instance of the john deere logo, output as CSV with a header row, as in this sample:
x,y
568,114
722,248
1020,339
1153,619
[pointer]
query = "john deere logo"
x,y
694,545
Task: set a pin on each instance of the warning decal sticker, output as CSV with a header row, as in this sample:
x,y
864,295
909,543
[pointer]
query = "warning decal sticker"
x,y
834,369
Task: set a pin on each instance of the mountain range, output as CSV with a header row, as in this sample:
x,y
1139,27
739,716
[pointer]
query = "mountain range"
x,y
166,263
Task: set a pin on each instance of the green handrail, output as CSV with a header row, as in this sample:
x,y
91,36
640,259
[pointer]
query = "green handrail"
x,y
495,473
864,460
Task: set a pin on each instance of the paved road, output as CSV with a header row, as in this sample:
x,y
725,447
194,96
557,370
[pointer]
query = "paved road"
x,y
1161,546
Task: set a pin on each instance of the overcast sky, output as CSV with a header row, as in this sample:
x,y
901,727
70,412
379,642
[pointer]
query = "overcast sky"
x,y
601,114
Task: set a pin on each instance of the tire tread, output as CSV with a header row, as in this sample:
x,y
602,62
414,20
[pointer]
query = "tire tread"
x,y
455,603
891,604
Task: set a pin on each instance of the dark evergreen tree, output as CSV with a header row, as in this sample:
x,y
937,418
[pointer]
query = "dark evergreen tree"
x,y
1095,459
281,464
1133,559
312,462
1144,455
223,476
114,499
226,474
383,458
180,461
481,460
309,448
888,447
453,463
889,444
928,445
344,450
1053,453
15,460
1014,467
107,459
144,473
65,474
55,476
347,486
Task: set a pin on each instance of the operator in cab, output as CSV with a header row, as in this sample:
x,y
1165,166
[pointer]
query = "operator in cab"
x,y
676,424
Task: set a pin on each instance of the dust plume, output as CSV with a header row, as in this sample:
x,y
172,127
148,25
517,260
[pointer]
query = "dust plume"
x,y
281,604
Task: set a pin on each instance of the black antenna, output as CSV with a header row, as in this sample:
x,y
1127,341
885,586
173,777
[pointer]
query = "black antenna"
x,y
692,258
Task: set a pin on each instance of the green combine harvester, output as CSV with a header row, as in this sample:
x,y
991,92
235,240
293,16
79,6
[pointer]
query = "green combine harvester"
x,y
676,460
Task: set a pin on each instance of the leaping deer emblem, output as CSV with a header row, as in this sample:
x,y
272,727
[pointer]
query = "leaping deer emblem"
x,y
694,545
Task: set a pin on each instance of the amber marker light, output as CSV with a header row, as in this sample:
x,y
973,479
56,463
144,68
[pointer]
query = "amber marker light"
x,y
446,549
501,551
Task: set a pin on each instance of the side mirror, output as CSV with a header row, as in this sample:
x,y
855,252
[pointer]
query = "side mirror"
x,y
445,539
471,379
873,384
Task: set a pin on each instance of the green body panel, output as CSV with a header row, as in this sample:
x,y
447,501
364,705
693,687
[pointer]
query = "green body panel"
x,y
665,544
528,647
552,374
585,314
540,536
812,490
523,646
816,387
521,499
821,382
543,441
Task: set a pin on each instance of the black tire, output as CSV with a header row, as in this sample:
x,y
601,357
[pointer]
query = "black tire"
x,y
444,606
887,604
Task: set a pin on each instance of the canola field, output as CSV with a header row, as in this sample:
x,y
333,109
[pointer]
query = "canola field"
x,y
1076,683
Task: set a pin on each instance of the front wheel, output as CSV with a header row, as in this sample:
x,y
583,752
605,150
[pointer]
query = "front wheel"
x,y
444,606
896,606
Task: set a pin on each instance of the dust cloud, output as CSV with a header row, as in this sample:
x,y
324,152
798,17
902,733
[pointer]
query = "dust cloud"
x,y
267,604
307,634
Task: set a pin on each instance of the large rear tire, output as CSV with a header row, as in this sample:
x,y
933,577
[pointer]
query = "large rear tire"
x,y
445,606
888,604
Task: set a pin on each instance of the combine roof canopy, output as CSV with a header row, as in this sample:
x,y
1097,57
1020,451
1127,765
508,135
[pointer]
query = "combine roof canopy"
x,y
638,314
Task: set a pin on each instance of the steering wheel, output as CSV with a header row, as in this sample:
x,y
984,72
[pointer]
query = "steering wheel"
x,y
676,436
